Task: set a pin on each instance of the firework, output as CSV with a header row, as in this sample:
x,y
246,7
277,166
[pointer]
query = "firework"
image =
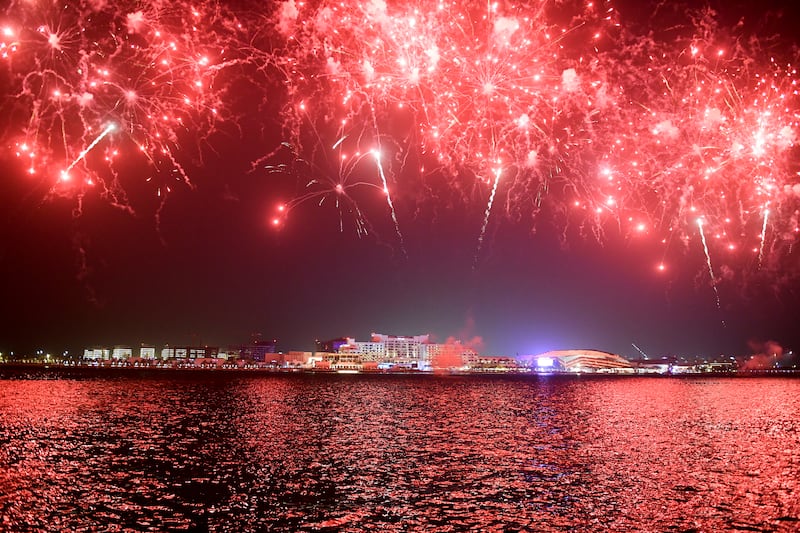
x,y
468,86
74,69
711,135
327,176
583,119
649,133
702,232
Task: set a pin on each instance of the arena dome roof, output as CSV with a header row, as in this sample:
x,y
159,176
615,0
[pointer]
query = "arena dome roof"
x,y
574,360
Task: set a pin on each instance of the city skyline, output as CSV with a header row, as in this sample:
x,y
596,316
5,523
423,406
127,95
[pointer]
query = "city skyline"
x,y
265,215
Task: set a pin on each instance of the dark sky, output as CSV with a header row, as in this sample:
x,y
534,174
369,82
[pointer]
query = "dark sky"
x,y
206,267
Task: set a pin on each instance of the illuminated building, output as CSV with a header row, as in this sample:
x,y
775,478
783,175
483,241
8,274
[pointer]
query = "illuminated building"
x,y
578,361
332,345
490,363
121,352
415,352
189,352
97,354
295,359
259,351
370,351
340,360
147,352
169,352
451,355
385,349
402,350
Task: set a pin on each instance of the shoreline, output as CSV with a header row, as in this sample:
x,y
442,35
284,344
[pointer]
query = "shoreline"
x,y
123,368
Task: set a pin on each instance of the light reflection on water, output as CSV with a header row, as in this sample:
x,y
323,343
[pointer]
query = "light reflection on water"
x,y
227,452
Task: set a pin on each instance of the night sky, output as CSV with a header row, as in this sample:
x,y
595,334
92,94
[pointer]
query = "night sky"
x,y
206,266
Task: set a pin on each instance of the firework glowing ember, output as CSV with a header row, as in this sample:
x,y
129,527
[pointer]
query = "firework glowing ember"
x,y
88,83
331,180
468,88
546,108
710,134
650,135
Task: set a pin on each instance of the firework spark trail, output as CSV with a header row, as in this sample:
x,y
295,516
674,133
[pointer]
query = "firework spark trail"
x,y
65,173
475,79
329,176
497,172
377,155
708,262
640,351
763,237
643,132
481,81
715,139
153,69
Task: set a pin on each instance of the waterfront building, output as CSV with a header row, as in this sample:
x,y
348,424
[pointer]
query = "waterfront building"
x,y
203,352
97,354
323,360
370,351
661,365
147,352
577,361
716,366
367,350
207,362
340,361
170,352
332,345
450,355
182,353
412,352
259,351
488,363
122,352
298,359
401,349
230,353
381,349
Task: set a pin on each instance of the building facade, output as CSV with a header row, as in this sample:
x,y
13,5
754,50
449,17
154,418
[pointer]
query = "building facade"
x,y
97,354
189,352
147,352
412,352
259,351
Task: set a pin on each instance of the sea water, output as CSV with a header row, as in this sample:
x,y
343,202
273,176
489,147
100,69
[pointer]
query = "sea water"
x,y
87,450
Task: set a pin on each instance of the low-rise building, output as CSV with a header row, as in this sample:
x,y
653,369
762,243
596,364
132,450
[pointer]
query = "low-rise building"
x,y
147,352
298,359
122,352
497,363
184,353
97,354
259,351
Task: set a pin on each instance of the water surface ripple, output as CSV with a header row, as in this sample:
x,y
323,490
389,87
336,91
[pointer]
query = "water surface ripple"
x,y
212,451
